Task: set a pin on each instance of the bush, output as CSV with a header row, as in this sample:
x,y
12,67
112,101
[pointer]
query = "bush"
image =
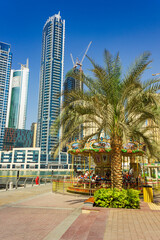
x,y
115,198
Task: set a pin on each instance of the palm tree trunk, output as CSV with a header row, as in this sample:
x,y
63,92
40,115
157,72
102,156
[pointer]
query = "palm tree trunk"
x,y
116,163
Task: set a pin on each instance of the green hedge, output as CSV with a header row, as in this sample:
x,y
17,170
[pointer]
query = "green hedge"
x,y
115,198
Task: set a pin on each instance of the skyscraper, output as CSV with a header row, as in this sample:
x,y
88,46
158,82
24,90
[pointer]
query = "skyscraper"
x,y
17,100
17,138
51,80
71,84
5,69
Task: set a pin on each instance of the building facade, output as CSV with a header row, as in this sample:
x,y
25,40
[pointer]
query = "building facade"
x,y
5,69
51,80
71,84
17,100
17,138
20,158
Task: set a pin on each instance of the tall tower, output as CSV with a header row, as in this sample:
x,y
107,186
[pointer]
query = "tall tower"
x,y
51,81
17,101
72,84
5,69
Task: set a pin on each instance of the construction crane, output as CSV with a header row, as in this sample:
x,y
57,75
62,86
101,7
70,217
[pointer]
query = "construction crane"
x,y
78,62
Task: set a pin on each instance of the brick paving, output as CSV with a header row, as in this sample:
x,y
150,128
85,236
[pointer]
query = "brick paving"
x,y
10,196
124,224
87,226
50,200
17,223
37,213
154,206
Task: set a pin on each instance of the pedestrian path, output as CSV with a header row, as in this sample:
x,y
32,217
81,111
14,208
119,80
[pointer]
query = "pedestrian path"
x,y
124,224
37,213
14,195
154,206
88,226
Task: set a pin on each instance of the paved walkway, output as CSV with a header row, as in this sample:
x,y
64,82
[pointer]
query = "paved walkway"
x,y
37,213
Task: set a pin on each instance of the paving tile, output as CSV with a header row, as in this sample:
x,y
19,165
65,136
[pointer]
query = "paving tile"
x,y
138,224
34,213
17,224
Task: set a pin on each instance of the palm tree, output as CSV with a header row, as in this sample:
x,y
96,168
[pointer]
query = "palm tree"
x,y
119,106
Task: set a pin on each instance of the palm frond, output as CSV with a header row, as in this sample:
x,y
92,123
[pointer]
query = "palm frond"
x,y
119,107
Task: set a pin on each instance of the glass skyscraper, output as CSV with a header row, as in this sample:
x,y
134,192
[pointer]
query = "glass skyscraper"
x,y
5,69
17,138
17,100
71,84
51,81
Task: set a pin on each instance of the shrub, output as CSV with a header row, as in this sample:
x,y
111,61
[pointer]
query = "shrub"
x,y
115,198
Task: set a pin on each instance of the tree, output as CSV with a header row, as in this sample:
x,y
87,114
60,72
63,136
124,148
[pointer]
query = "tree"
x,y
119,106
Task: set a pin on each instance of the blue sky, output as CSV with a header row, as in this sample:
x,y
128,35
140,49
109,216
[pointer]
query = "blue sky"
x,y
130,27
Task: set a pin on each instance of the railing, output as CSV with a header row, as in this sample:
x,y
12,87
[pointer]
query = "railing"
x,y
63,184
14,183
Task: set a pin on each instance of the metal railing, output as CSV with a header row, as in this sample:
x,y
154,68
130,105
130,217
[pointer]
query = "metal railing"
x,y
63,184
14,183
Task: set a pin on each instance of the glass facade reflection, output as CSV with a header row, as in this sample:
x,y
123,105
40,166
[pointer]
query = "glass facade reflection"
x,y
5,69
17,102
16,138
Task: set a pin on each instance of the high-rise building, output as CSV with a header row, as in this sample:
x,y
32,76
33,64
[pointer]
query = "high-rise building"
x,y
5,69
17,100
71,84
16,138
51,81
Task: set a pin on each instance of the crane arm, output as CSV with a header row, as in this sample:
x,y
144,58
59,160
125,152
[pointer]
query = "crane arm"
x,y
72,59
86,52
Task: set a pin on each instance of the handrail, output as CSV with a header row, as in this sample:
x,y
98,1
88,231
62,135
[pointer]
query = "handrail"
x,y
25,176
25,182
33,181
22,180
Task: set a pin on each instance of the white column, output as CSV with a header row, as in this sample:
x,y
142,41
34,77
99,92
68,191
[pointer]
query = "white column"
x,y
26,153
12,158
